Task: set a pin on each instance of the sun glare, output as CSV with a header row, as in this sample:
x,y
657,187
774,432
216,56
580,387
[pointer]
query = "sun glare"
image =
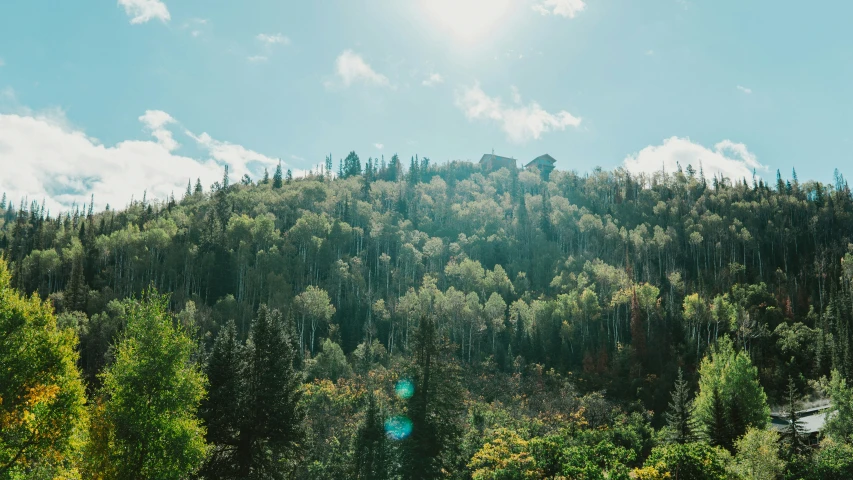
x,y
468,21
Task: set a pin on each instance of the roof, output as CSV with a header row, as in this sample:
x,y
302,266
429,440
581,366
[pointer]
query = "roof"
x,y
811,420
542,159
492,157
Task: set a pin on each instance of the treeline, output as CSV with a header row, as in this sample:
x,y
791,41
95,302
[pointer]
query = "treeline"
x,y
472,280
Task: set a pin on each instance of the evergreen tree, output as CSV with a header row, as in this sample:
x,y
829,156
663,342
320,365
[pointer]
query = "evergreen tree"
x,y
289,176
716,425
276,178
271,430
198,188
222,409
792,434
77,292
144,421
679,418
266,178
370,445
434,408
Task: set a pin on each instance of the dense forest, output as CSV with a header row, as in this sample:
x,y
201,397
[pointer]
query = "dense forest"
x,y
411,320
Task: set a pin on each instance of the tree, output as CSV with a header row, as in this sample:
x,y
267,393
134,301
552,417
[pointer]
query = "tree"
x,y
495,311
839,420
758,455
693,461
679,418
41,394
198,187
77,292
434,409
507,456
277,178
792,434
728,382
330,363
371,456
144,422
312,306
272,428
221,410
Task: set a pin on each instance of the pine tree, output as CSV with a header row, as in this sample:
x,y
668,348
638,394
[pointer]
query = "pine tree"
x,y
289,176
225,178
189,188
792,434
716,426
198,188
679,418
266,179
221,410
370,445
434,409
77,292
276,178
272,430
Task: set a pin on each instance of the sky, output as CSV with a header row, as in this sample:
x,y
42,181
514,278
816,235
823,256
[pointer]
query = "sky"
x,y
120,98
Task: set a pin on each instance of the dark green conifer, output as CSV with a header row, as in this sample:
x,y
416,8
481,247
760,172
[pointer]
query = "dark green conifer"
x,y
680,418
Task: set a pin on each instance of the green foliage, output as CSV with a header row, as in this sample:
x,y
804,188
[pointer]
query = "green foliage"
x,y
435,409
729,394
839,422
758,455
679,418
41,395
507,456
331,363
371,451
144,421
694,461
833,461
271,430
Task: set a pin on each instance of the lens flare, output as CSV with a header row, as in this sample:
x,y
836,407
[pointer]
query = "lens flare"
x,y
404,389
398,427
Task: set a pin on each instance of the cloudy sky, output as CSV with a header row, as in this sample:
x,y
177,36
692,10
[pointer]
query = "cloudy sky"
x,y
120,97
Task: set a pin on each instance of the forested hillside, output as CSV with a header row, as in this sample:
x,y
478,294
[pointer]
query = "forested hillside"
x,y
438,321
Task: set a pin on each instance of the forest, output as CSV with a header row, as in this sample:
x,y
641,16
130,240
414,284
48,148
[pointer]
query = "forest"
x,y
416,320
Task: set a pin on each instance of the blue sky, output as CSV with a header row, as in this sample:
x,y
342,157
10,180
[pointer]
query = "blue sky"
x,y
156,91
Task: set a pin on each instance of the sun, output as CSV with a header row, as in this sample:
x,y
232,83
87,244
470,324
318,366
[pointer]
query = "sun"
x,y
468,21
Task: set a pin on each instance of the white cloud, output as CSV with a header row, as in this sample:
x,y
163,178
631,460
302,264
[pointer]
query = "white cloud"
x,y
379,146
142,11
733,160
521,122
565,8
432,80
744,89
43,157
273,39
351,68
156,121
257,58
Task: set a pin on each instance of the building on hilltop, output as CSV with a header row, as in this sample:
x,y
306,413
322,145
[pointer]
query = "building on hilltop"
x,y
492,163
543,163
